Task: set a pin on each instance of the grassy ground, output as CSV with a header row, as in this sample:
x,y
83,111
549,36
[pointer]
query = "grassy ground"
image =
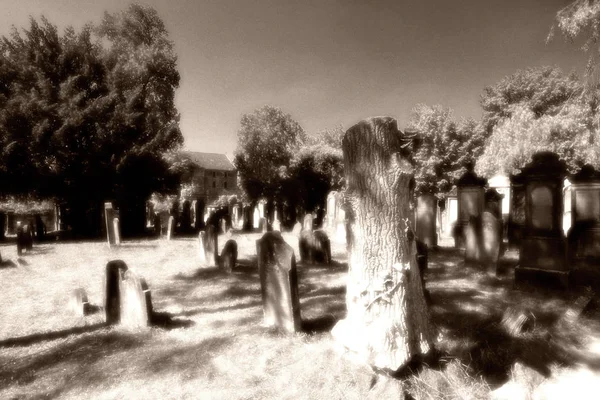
x,y
211,344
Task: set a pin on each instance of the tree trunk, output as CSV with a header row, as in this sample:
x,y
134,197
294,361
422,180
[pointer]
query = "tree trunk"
x,y
387,321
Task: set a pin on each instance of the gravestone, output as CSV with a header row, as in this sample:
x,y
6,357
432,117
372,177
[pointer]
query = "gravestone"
x,y
332,207
10,223
112,293
223,225
262,225
20,238
229,255
199,214
170,227
135,301
247,218
186,216
40,228
256,218
278,282
387,321
117,229
314,247
78,302
426,219
516,214
211,246
308,222
493,202
491,241
157,225
297,229
28,237
543,247
276,224
470,194
3,218
472,237
109,214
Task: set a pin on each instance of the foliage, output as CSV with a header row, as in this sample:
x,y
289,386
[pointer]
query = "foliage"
x,y
516,139
162,202
25,205
444,149
268,139
543,90
86,116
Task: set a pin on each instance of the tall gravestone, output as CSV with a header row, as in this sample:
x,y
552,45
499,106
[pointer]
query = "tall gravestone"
x,y
584,234
332,208
426,219
470,193
109,214
170,227
28,236
10,223
451,212
20,239
117,230
543,246
186,216
135,301
493,202
112,290
276,223
491,239
2,225
212,246
278,282
256,218
516,214
229,256
387,323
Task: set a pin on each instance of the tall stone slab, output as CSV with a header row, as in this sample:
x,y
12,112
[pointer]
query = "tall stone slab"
x,y
278,282
387,323
117,230
112,290
109,214
170,227
202,247
470,189
543,247
135,301
212,246
256,218
426,219
472,240
491,243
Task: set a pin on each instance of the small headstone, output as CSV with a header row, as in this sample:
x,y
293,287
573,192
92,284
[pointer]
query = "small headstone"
x,y
211,246
472,235
279,282
78,302
229,255
112,294
170,227
491,240
136,307
308,222
297,229
262,225
117,228
314,247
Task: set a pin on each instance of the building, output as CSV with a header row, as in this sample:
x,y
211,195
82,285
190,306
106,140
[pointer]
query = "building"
x,y
211,175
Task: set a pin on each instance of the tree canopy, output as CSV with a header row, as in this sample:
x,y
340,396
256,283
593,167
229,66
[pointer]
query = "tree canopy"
x,y
445,148
86,116
268,139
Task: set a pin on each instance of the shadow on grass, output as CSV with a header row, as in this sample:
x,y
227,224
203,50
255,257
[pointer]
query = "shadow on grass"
x,y
8,264
42,337
166,321
22,261
212,310
129,245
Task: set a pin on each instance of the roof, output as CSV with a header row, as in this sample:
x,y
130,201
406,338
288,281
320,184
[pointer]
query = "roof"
x,y
211,161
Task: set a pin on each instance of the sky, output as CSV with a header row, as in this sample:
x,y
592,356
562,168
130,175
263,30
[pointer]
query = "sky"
x,y
331,63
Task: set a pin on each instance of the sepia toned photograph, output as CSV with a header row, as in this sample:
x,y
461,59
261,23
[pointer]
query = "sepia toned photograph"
x,y
318,199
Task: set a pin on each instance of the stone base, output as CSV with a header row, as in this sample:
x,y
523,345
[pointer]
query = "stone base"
x,y
542,277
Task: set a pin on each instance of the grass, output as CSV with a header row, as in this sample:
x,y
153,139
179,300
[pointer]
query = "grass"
x,y
211,343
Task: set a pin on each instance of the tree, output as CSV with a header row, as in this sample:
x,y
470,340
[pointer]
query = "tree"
x,y
517,138
444,147
86,117
387,321
543,90
268,139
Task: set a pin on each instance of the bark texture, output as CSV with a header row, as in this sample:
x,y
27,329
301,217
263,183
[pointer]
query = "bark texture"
x,y
387,321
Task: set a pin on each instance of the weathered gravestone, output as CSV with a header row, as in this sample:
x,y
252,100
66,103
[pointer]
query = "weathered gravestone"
x,y
186,217
387,322
40,228
78,302
276,224
262,225
112,294
223,225
472,237
491,240
308,222
256,218
135,301
20,238
297,229
109,214
157,225
211,246
3,218
229,255
117,229
426,219
202,247
314,247
278,282
170,227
